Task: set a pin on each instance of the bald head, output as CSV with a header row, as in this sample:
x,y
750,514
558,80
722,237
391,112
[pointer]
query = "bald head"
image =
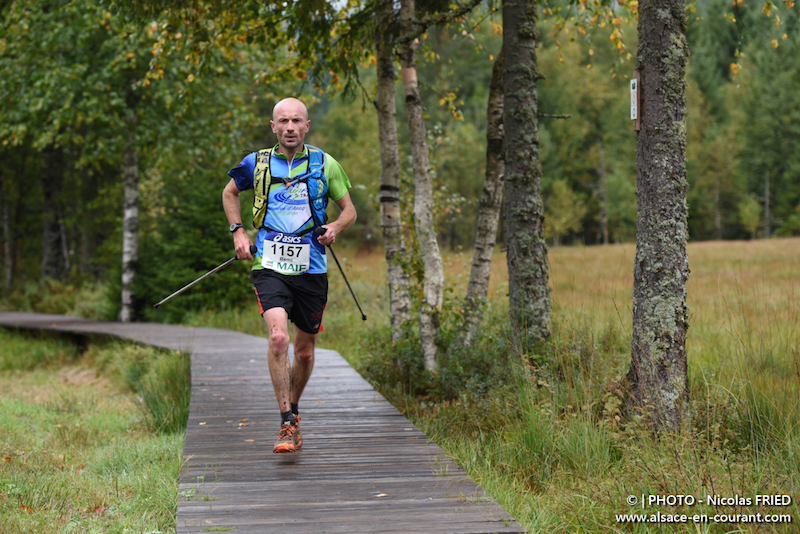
x,y
290,105
290,124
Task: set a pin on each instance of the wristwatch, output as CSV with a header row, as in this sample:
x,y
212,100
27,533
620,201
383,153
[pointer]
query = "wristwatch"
x,y
236,226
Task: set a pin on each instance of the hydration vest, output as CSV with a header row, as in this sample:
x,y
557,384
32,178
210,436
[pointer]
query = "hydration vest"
x,y
314,178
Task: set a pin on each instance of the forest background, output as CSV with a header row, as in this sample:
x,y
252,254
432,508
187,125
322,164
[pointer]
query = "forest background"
x,y
62,211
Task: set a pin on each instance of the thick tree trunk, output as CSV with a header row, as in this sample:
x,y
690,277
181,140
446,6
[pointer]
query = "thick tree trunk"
x,y
489,207
528,271
433,286
53,260
130,226
391,222
603,188
658,378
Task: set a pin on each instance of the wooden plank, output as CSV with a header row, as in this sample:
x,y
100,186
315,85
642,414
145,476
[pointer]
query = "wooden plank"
x,y
363,466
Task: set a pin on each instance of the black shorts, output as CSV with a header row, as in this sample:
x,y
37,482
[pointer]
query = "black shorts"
x,y
303,296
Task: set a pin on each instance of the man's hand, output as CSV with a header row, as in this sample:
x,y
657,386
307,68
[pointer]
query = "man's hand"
x,y
329,237
242,244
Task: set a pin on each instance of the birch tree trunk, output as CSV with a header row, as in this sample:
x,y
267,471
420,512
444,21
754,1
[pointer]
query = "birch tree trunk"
x,y
489,207
658,379
528,271
391,223
433,286
130,224
52,180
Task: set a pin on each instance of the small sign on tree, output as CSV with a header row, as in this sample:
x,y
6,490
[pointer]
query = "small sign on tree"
x,y
635,117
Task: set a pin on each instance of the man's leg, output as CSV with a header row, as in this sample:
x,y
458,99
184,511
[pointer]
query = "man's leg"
x,y
303,362
277,321
280,370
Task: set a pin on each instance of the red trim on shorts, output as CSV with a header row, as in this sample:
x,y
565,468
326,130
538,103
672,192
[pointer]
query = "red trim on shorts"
x,y
260,307
320,319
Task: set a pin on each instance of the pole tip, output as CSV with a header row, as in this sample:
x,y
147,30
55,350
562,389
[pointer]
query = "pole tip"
x,y
155,305
363,317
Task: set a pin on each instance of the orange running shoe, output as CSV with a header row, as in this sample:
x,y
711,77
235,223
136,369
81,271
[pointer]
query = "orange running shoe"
x,y
287,439
298,436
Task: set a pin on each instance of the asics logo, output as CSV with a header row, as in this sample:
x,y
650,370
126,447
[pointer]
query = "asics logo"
x,y
287,238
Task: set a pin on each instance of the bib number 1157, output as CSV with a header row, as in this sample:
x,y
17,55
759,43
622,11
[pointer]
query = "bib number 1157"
x,y
286,253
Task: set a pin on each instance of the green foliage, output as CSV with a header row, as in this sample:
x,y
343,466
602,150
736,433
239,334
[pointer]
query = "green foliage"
x,y
749,211
564,213
190,238
23,351
164,384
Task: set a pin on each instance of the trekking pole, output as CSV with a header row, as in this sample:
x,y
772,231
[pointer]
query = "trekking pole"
x,y
253,250
319,231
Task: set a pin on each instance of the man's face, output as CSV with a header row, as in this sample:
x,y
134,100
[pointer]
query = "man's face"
x,y
290,123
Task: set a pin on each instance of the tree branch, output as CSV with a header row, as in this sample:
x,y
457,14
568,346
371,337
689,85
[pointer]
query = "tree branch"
x,y
436,19
551,116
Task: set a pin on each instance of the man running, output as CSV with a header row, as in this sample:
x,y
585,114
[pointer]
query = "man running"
x,y
292,183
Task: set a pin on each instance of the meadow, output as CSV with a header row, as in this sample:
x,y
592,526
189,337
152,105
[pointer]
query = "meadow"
x,y
542,428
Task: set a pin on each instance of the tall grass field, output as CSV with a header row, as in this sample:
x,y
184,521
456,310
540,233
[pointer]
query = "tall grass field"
x,y
90,441
542,427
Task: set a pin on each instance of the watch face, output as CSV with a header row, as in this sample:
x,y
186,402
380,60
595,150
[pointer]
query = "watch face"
x,y
234,226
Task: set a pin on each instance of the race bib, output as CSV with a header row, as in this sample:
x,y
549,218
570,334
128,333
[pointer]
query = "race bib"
x,y
286,253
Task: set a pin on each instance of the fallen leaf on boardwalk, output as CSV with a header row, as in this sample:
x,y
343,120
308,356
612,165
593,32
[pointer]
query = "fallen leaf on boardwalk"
x,y
202,423
100,509
382,495
244,424
242,420
361,408
27,509
249,440
319,402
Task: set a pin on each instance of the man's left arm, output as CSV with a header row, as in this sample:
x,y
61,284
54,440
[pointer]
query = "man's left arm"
x,y
345,220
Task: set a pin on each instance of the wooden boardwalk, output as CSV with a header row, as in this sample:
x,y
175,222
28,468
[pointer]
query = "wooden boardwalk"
x,y
363,466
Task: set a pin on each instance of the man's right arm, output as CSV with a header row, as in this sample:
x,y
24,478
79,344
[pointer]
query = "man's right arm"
x,y
230,203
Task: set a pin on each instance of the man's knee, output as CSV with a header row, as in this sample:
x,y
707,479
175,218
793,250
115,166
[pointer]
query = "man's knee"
x,y
278,341
304,355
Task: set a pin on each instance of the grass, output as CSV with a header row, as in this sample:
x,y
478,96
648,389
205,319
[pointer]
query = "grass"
x,y
79,449
542,430
557,453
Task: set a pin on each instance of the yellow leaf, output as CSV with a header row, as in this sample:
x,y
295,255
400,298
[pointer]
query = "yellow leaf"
x,y
190,78
774,43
